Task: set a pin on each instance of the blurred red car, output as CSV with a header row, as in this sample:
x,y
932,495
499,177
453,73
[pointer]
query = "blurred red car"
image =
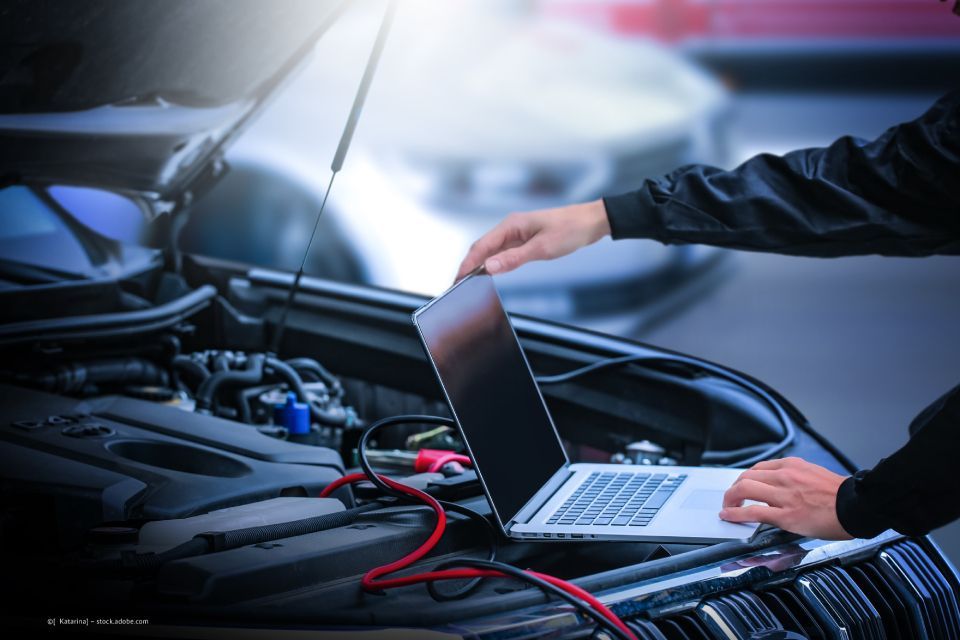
x,y
745,20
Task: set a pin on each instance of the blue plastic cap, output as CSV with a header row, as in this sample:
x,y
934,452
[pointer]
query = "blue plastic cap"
x,y
292,415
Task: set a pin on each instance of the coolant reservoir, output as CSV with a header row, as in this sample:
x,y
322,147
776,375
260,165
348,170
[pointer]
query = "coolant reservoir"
x,y
162,534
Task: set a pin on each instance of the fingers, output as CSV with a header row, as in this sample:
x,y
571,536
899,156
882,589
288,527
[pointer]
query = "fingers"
x,y
508,233
512,258
752,490
483,248
774,477
780,463
800,497
768,465
753,513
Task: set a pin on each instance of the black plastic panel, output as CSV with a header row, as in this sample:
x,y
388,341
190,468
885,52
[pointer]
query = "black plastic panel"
x,y
121,459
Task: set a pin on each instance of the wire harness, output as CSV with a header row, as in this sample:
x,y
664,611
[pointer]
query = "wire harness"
x,y
380,578
789,432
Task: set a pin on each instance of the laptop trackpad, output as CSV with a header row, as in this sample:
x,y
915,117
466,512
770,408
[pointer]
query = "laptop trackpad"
x,y
704,499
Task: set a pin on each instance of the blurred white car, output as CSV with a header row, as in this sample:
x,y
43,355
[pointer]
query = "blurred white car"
x,y
489,113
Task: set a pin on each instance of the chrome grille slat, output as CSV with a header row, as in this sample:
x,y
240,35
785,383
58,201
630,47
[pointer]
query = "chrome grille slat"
x,y
902,592
946,594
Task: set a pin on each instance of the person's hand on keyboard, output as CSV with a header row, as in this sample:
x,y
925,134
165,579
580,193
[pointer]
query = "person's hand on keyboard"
x,y
799,497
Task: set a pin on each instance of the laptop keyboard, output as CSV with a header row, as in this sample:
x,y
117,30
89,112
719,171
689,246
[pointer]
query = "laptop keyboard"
x,y
617,499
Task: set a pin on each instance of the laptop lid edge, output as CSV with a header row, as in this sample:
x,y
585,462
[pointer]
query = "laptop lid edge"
x,y
533,504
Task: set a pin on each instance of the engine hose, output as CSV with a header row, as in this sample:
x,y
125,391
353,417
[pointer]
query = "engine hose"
x,y
133,562
170,346
221,362
196,370
311,365
74,376
287,373
250,375
214,541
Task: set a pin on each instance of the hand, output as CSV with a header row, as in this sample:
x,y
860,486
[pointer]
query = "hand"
x,y
538,235
800,497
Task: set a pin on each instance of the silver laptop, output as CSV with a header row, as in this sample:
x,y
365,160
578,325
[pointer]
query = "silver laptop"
x,y
533,489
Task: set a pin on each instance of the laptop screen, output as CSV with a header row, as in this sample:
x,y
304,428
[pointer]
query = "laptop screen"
x,y
492,393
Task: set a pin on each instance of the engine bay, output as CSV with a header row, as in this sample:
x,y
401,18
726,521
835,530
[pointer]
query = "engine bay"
x,y
120,450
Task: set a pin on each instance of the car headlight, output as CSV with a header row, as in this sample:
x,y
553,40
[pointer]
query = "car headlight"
x,y
483,185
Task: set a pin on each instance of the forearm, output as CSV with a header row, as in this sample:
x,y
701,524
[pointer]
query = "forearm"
x,y
896,195
914,490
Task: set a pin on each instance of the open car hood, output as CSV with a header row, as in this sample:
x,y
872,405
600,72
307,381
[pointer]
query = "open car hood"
x,y
141,97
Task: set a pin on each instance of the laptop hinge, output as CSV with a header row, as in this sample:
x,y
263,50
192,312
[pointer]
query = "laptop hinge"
x,y
541,497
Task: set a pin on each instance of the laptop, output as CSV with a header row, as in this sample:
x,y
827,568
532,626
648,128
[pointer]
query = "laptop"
x,y
535,492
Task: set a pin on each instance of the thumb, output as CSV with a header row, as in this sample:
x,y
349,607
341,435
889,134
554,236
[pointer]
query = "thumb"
x,y
510,259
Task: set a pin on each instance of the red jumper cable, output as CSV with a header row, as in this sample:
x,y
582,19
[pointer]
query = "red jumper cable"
x,y
374,581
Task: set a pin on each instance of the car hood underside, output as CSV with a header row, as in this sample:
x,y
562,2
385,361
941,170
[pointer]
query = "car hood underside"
x,y
183,78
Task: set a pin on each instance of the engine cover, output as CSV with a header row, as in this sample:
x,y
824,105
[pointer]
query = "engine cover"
x,y
75,464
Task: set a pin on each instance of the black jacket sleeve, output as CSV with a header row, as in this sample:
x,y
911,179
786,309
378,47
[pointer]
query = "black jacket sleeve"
x,y
914,490
896,195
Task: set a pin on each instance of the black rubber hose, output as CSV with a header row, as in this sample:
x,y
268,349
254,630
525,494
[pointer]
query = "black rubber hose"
x,y
311,365
220,362
285,372
250,375
74,376
243,407
132,562
170,346
194,369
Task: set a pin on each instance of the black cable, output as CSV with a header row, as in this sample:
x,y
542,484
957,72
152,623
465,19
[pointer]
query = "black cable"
x,y
789,433
731,456
448,506
520,574
510,570
492,541
386,422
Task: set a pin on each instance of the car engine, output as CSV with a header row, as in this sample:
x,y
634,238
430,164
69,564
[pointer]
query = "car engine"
x,y
160,476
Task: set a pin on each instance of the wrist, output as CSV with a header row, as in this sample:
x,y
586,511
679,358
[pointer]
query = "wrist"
x,y
856,515
599,221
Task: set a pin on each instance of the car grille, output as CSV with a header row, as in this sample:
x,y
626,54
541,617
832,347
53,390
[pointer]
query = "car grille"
x,y
901,592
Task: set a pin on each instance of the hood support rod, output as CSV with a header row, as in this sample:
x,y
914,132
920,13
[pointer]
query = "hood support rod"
x,y
345,139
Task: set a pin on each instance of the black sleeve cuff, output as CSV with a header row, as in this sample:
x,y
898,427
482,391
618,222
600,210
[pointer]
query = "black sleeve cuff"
x,y
857,516
633,215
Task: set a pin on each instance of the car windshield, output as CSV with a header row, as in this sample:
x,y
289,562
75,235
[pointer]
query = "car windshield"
x,y
32,233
